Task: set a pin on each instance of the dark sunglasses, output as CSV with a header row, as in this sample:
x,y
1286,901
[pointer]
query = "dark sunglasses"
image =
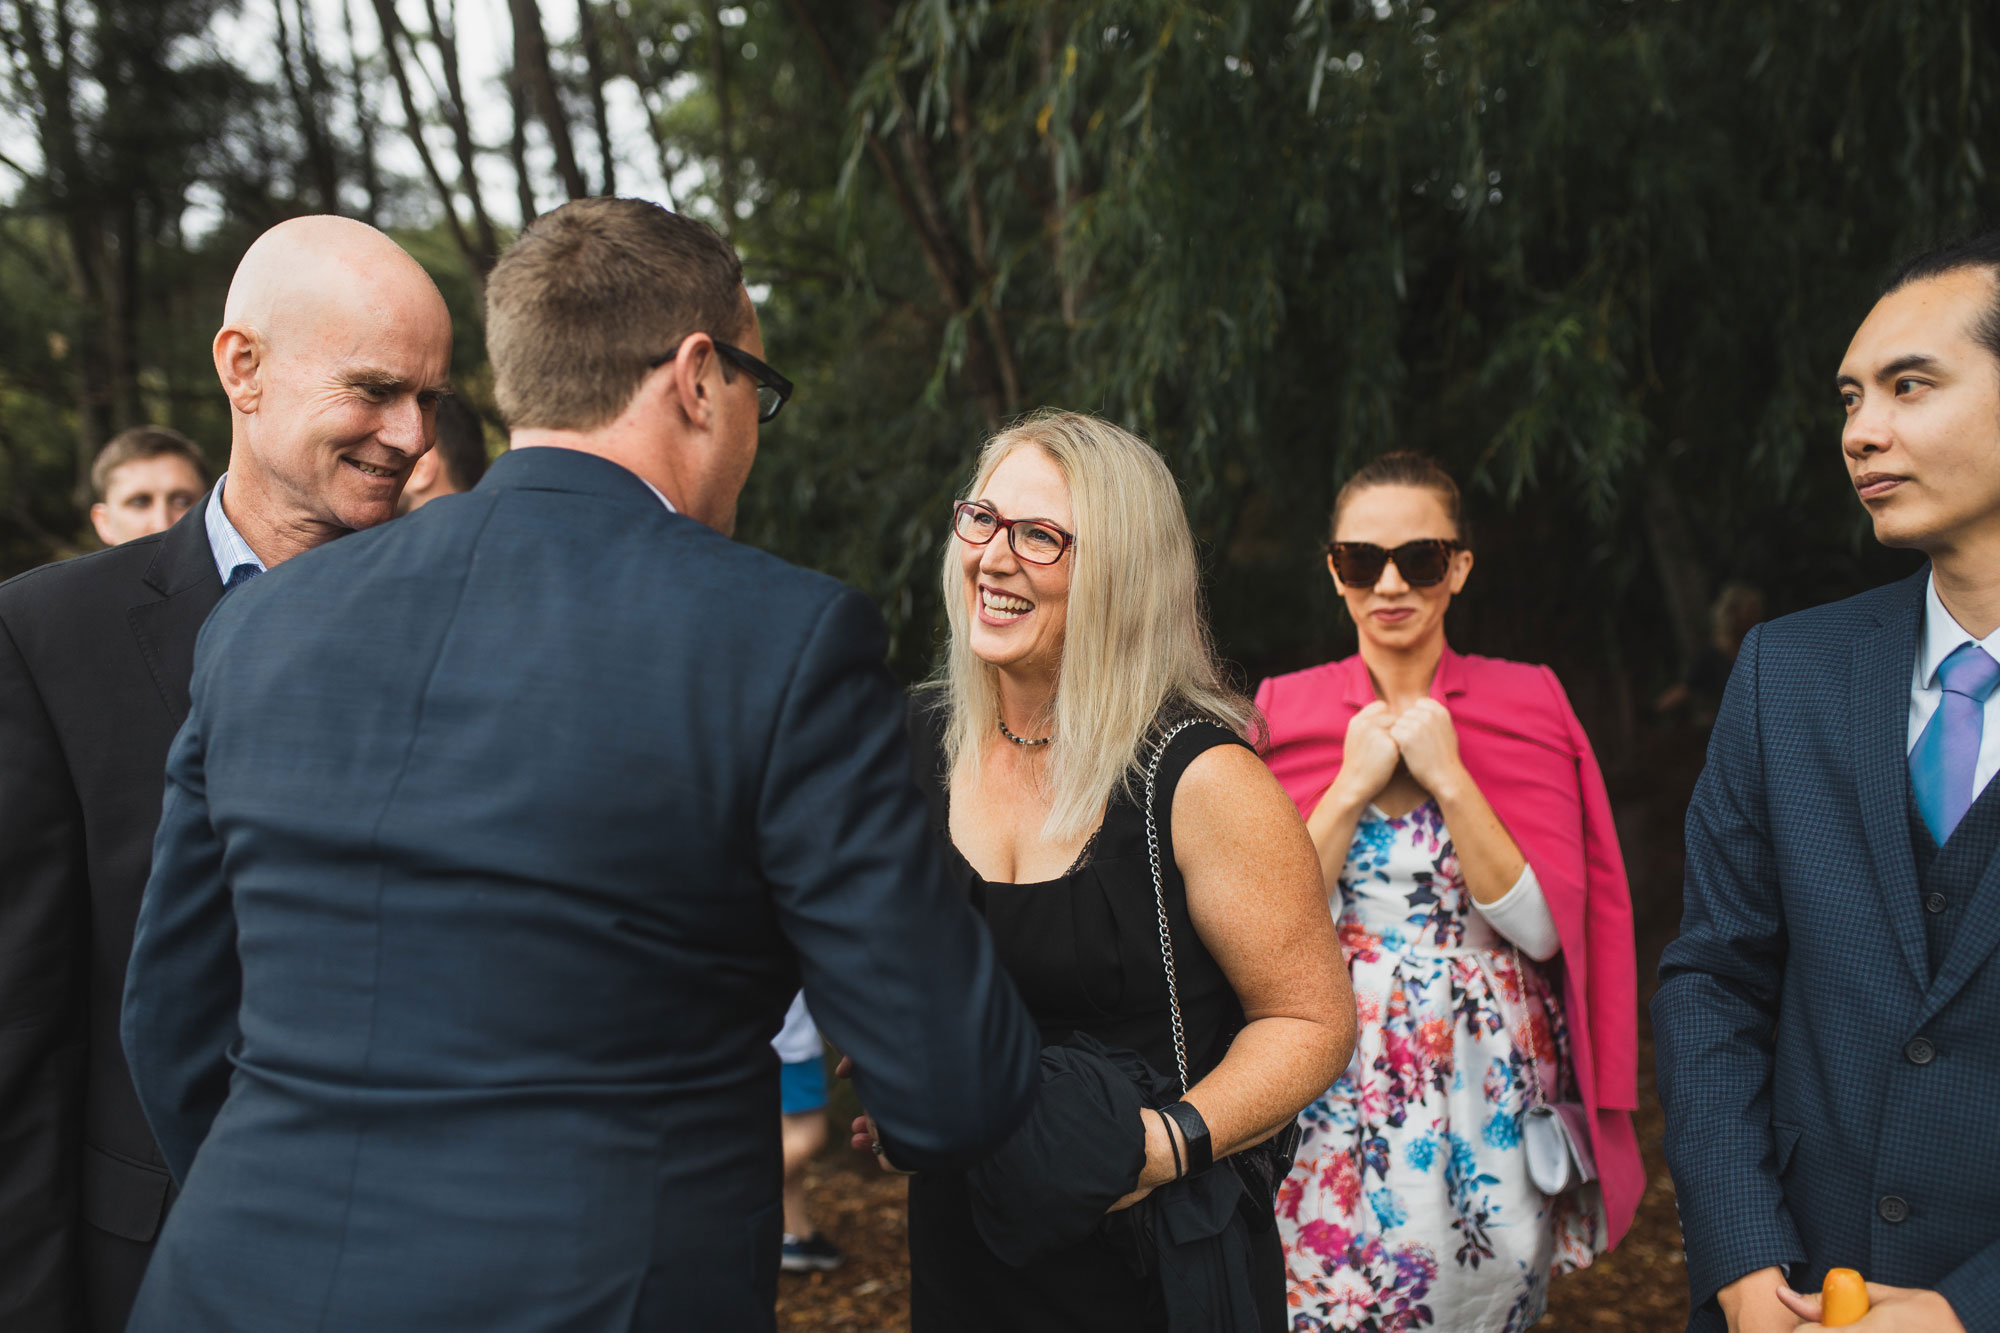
x,y
773,389
1032,540
1422,563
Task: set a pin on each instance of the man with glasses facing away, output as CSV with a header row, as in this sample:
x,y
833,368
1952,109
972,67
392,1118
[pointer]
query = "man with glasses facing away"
x,y
1829,1055
497,844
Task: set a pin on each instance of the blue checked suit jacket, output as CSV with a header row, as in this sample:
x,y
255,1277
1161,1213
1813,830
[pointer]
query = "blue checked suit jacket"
x,y
495,845
1800,1130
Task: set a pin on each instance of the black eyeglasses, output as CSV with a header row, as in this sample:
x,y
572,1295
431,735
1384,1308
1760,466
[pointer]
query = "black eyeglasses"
x,y
1034,541
1422,563
773,389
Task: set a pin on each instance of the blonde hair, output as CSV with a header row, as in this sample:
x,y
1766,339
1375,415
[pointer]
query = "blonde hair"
x,y
1136,647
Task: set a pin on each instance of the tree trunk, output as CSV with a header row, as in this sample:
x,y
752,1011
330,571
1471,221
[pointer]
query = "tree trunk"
x,y
444,33
364,121
593,60
718,74
517,147
919,209
980,248
413,126
319,157
318,96
1059,205
648,86
51,62
1682,579
531,64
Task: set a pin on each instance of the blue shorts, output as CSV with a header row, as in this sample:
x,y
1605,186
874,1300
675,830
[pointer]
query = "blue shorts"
x,y
802,1086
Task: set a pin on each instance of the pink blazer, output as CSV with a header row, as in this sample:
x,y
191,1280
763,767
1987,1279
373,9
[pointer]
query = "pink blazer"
x,y
1522,744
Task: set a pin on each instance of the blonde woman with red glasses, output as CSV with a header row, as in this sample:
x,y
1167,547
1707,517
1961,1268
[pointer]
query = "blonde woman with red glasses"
x,y
1079,673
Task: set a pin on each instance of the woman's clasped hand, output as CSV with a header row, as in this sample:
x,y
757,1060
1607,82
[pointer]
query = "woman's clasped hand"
x,y
1420,739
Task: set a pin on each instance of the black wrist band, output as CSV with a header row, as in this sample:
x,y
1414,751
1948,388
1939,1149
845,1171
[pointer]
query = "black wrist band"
x,y
1168,1126
1200,1151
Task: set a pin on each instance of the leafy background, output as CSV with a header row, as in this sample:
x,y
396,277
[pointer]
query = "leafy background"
x,y
1599,256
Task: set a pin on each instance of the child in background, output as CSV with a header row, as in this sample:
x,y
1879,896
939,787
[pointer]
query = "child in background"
x,y
802,1101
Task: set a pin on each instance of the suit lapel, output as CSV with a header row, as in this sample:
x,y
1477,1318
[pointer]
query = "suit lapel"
x,y
1879,709
186,588
1977,934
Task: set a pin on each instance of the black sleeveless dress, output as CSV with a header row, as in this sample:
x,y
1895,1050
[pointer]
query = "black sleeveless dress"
x,y
1084,949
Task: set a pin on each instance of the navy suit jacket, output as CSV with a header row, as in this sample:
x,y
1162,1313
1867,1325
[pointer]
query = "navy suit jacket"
x,y
494,847
1801,1129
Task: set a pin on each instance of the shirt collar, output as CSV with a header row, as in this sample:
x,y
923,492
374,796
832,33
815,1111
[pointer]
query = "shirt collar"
x,y
662,494
224,541
1943,636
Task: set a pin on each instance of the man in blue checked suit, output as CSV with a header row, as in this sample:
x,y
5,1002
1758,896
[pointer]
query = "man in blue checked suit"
x,y
494,850
1828,1023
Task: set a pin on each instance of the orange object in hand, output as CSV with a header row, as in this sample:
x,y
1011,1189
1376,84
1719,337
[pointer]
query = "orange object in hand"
x,y
1843,1300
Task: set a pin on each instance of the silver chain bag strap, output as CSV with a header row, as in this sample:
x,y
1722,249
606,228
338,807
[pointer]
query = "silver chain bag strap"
x,y
1262,1167
1160,899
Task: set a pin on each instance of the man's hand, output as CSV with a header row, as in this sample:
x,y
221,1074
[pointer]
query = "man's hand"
x,y
1890,1310
862,1134
864,1137
1751,1304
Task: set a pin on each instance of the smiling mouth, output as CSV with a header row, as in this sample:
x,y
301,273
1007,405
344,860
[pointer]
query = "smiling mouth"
x,y
1870,485
1002,607
369,469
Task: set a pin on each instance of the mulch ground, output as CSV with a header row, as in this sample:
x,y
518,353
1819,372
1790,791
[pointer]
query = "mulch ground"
x,y
1639,1286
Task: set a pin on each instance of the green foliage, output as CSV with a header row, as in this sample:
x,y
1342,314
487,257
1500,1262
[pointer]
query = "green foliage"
x,y
1591,254
1600,256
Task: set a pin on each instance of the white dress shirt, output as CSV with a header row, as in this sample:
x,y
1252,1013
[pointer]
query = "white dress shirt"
x,y
1941,637
662,494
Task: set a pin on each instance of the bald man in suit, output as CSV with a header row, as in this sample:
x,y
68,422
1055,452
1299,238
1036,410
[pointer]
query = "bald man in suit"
x,y
333,352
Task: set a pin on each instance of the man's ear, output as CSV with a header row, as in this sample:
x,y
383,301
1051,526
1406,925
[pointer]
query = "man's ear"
x,y
239,361
689,386
100,518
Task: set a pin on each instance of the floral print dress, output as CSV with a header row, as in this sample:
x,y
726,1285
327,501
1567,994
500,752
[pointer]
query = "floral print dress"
x,y
1410,1205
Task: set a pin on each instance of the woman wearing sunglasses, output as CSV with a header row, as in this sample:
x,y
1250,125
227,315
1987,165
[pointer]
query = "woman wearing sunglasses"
x,y
1467,850
1076,645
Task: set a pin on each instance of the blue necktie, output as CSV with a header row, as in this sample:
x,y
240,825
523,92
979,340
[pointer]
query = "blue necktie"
x,y
242,574
1947,752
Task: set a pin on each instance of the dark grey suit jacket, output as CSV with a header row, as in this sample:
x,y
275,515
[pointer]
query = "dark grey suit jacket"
x,y
1830,1102
94,661
496,843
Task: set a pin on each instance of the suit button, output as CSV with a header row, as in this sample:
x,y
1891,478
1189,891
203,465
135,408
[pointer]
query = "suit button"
x,y
1935,903
1892,1208
1919,1051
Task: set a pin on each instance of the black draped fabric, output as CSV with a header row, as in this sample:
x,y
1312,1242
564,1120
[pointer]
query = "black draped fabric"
x,y
1084,949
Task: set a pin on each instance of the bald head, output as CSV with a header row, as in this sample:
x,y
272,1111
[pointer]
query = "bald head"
x,y
334,351
304,270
